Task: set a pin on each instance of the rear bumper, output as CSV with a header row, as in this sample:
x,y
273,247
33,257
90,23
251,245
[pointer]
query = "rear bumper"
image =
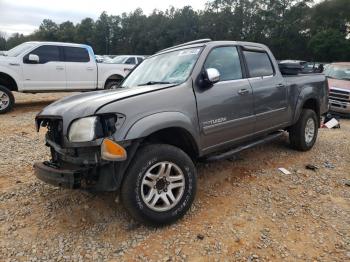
x,y
67,178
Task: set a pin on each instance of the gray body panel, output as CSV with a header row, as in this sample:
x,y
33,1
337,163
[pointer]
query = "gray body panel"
x,y
216,117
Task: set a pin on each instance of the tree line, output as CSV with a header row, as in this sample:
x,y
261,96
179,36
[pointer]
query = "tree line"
x,y
293,29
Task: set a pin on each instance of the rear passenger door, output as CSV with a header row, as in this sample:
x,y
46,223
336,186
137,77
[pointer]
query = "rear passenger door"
x,y
225,110
270,92
81,71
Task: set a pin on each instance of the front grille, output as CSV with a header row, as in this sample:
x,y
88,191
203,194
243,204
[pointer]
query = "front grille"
x,y
339,95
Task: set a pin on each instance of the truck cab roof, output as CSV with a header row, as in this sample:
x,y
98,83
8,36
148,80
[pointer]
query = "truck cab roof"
x,y
209,42
57,43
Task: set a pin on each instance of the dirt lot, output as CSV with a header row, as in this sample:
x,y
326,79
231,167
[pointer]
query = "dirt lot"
x,y
245,210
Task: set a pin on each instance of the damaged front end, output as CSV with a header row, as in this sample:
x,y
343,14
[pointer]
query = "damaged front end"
x,y
96,165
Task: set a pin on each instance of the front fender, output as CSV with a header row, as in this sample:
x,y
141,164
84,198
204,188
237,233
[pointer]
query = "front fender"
x,y
155,122
14,71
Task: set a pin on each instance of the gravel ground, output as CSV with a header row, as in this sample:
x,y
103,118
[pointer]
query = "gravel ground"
x,y
245,210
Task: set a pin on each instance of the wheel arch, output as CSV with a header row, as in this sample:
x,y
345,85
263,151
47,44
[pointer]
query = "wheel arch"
x,y
8,81
113,77
172,128
309,102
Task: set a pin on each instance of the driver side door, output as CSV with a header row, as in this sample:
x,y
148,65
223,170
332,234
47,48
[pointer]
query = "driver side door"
x,y
47,74
225,110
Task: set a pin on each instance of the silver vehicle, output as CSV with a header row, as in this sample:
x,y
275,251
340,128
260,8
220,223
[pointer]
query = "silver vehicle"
x,y
201,100
127,59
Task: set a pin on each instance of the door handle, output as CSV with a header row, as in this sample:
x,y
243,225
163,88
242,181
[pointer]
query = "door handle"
x,y
59,67
243,91
90,68
280,85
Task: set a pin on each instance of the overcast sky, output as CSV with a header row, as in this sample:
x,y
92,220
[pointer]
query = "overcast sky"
x,y
24,16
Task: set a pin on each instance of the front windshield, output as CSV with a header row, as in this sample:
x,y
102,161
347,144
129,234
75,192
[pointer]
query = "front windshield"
x,y
17,50
168,68
118,60
341,72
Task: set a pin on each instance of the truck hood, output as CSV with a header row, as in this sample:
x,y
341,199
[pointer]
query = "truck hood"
x,y
337,83
87,104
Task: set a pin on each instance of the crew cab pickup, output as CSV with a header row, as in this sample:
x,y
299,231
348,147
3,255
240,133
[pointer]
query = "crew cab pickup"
x,y
203,100
37,67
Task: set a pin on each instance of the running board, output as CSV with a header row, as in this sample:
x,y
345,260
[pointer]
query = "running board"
x,y
236,150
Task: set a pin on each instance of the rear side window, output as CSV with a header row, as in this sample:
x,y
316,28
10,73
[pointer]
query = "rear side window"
x,y
130,61
76,54
259,64
139,60
46,53
226,60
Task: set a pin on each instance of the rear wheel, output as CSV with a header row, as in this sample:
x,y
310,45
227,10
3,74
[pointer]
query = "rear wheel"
x,y
303,134
7,100
160,185
114,84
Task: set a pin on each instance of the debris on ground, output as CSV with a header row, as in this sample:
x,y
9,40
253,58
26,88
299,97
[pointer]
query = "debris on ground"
x,y
333,123
284,171
200,236
311,167
328,165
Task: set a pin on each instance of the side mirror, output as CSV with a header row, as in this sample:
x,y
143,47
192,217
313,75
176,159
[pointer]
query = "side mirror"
x,y
211,76
33,59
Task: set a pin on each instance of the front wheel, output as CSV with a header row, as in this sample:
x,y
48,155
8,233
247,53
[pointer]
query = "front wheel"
x,y
160,185
303,134
7,100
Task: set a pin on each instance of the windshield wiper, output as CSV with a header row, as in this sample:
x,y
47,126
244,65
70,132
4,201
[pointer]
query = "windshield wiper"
x,y
154,83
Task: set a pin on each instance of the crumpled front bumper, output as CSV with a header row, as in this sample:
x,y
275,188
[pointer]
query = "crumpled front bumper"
x,y
83,168
54,175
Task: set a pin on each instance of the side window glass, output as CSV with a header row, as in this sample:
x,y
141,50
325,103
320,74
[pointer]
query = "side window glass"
x,y
46,53
259,64
76,54
130,61
139,60
226,60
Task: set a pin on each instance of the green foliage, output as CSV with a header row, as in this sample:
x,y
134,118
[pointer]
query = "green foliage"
x,y
293,29
330,45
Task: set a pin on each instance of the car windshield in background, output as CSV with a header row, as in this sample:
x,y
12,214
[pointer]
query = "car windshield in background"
x,y
338,72
118,60
168,68
19,49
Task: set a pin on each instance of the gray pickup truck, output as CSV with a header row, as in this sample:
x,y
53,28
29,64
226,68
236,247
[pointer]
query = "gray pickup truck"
x,y
203,100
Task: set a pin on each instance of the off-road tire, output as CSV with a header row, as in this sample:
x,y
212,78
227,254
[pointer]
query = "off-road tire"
x,y
297,135
145,158
11,102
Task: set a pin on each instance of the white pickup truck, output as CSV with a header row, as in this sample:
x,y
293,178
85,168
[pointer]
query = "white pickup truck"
x,y
38,67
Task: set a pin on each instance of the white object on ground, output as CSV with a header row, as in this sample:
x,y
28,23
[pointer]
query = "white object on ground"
x,y
284,171
331,123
